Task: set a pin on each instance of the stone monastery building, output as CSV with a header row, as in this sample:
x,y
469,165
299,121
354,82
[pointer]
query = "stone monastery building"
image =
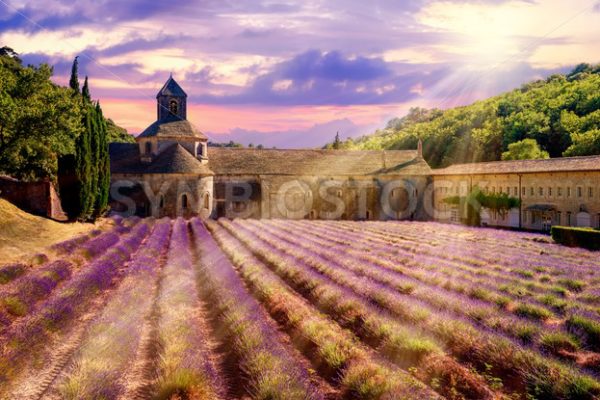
x,y
171,171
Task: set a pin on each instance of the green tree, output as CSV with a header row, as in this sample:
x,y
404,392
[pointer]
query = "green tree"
x,y
39,121
85,90
337,143
74,81
584,144
103,165
526,149
84,168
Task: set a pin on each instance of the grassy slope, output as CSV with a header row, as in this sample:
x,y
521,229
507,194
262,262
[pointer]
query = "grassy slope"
x,y
24,234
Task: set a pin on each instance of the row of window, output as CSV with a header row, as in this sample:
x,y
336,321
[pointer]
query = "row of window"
x,y
530,191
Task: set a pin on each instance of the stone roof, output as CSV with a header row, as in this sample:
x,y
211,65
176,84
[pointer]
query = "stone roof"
x,y
564,164
171,88
235,161
172,128
125,159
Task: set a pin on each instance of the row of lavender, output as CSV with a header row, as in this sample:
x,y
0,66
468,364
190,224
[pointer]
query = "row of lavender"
x,y
356,369
436,311
24,285
148,309
54,297
477,298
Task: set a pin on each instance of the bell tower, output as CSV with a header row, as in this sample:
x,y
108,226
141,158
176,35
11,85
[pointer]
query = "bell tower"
x,y
171,102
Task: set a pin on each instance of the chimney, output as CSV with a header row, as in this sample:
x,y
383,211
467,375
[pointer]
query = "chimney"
x,y
420,149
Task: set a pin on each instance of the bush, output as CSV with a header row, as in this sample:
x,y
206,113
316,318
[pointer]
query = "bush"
x,y
589,328
11,271
532,312
572,284
576,237
555,342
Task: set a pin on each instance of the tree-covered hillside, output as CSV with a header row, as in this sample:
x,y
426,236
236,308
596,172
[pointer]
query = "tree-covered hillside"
x,y
561,113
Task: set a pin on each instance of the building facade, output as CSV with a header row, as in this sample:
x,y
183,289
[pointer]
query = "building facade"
x,y
559,191
171,171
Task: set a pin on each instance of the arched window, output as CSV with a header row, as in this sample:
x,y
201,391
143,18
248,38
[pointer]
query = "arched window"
x,y
206,200
173,107
199,150
184,201
148,147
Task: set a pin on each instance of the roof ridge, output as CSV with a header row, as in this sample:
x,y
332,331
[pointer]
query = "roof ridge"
x,y
309,149
527,160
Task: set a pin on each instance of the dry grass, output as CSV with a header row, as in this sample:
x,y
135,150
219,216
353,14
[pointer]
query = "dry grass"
x,y
23,234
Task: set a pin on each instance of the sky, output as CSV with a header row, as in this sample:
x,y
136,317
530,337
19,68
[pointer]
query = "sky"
x,y
293,73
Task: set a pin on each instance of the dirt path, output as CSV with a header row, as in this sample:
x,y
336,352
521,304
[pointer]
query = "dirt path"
x,y
142,374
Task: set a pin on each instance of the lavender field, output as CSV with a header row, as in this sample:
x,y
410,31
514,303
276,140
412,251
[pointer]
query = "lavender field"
x,y
273,309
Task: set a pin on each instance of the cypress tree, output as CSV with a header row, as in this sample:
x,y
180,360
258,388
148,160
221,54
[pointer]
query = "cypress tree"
x,y
337,142
94,156
74,81
85,90
103,165
83,169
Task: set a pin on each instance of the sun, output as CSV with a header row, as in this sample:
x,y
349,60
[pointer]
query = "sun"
x,y
478,34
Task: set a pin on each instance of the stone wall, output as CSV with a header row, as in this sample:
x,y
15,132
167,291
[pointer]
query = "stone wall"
x,y
310,197
161,195
39,198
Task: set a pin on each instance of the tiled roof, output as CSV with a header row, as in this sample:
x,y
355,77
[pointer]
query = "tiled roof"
x,y
235,161
171,88
125,159
566,164
172,128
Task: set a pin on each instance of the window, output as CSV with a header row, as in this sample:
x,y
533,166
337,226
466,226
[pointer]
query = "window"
x,y
507,190
206,201
569,192
148,149
161,203
523,190
531,192
184,201
339,193
173,107
590,192
558,217
199,150
569,218
515,191
549,191
493,189
541,191
579,191
559,191
368,214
